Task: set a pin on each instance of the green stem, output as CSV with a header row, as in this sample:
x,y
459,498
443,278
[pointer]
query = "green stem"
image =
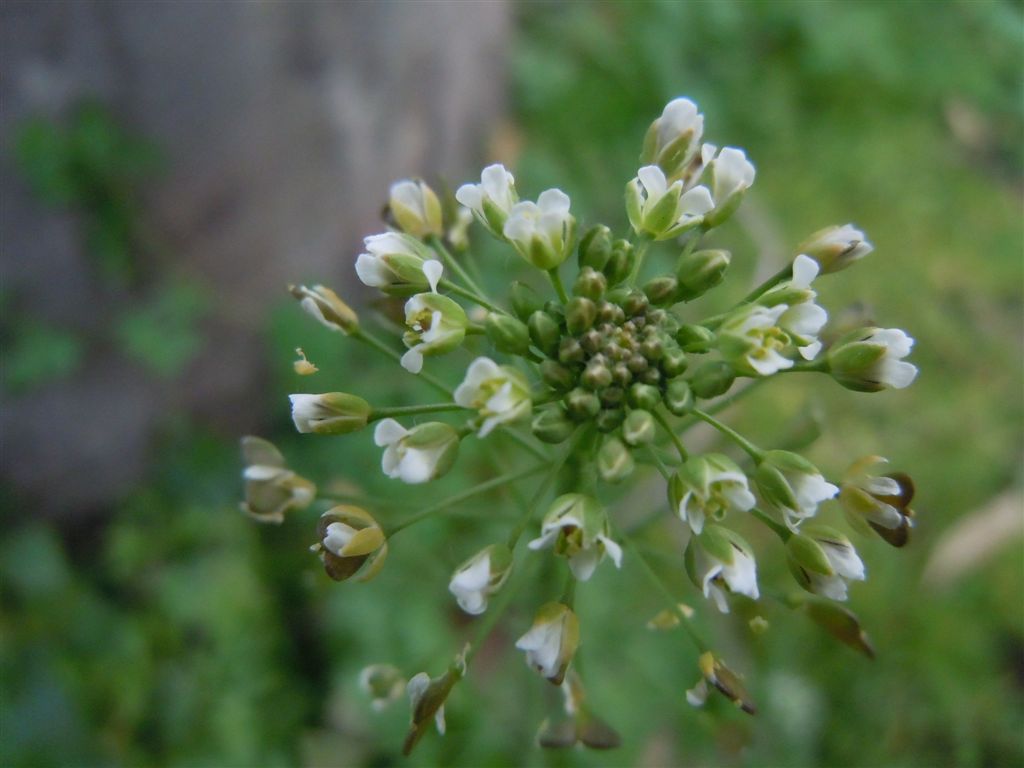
x,y
556,282
660,418
467,494
435,242
783,274
458,290
542,489
662,469
722,404
755,453
780,530
660,586
809,366
412,410
372,341
638,259
526,443
472,329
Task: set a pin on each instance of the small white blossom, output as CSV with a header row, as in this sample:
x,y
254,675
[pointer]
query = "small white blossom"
x,y
551,642
271,489
803,319
332,413
396,261
674,138
492,199
325,306
664,210
709,486
836,248
542,232
415,208
793,486
824,561
480,577
731,175
752,338
436,325
577,527
723,564
418,455
500,393
872,359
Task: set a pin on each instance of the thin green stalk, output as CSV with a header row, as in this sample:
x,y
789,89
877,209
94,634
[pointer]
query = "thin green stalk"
x,y
476,490
662,469
783,274
542,489
435,242
780,530
638,259
372,341
660,418
690,421
556,282
458,290
412,410
526,443
755,453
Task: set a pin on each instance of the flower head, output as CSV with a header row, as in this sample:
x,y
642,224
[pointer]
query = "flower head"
x,y
709,486
481,576
576,526
271,489
398,264
662,210
836,248
792,486
552,641
500,393
803,318
542,232
416,455
871,359
492,199
436,324
721,562
415,208
823,560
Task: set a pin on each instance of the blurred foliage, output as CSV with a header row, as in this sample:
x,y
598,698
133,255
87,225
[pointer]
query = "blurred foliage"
x,y
163,333
39,354
184,634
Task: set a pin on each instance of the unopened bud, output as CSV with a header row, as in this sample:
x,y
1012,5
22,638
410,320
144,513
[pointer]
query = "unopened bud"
x,y
557,376
836,248
580,314
590,283
700,271
634,304
674,362
695,338
346,538
712,379
679,396
595,247
582,405
326,307
333,413
725,681
596,376
661,290
878,503
552,426
609,419
620,263
840,622
614,461
570,351
544,332
525,300
639,428
552,641
507,334
644,396
415,208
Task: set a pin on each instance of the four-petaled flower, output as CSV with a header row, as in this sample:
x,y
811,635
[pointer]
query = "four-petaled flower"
x,y
492,199
398,264
721,562
500,393
480,577
709,486
662,210
577,527
552,641
436,324
542,232
416,455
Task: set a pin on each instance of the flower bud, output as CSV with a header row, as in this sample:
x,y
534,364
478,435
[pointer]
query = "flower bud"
x,y
700,271
596,375
639,428
544,332
673,140
661,291
507,334
324,305
415,208
552,426
480,577
590,283
674,363
836,248
499,393
871,359
731,175
661,210
525,300
634,303
384,684
552,641
614,461
576,526
609,419
792,485
840,622
271,489
823,560
570,351
580,314
542,232
491,200
644,396
878,503
711,379
333,413
347,537
557,376
595,247
679,397
724,680
695,338
417,455
436,325
620,263
709,487
398,264
582,405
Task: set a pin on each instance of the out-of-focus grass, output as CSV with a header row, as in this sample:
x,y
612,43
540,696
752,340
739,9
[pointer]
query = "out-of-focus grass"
x,y
188,635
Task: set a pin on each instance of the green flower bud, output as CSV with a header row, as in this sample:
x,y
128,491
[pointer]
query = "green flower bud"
x,y
644,396
674,362
871,359
652,348
590,283
544,332
661,290
327,308
620,263
712,379
507,334
596,375
582,405
595,247
525,300
333,413
634,304
557,376
836,248
614,461
570,351
792,486
639,428
552,426
679,397
580,314
612,397
695,338
823,560
347,537
700,271
609,419
651,376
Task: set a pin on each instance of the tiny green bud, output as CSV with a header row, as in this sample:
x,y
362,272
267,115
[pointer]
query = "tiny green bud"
x,y
596,375
621,374
674,362
544,332
639,428
525,300
591,341
652,348
807,554
700,271
507,334
595,247
557,376
614,461
634,304
712,379
580,314
644,396
333,413
609,419
590,283
695,338
661,290
582,405
651,376
679,397
620,263
552,426
570,351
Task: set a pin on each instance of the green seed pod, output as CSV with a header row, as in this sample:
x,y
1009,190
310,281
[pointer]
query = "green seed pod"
x,y
661,290
644,396
695,338
570,351
557,376
525,300
545,332
595,247
639,428
678,397
596,376
700,271
614,461
674,362
507,334
590,283
620,263
552,426
712,379
580,314
609,419
582,405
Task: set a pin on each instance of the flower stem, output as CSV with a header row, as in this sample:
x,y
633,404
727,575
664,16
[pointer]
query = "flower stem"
x,y
660,418
638,259
458,290
541,491
476,490
372,341
722,404
755,453
435,242
783,274
556,282
412,410
780,530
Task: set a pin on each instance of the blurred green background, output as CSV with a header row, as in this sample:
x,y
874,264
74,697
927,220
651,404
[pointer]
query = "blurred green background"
x,y
173,631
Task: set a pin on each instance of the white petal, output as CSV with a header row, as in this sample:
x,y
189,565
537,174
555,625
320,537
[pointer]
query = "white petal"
x,y
805,269
584,562
654,181
471,196
412,361
371,271
612,549
388,431
432,270
697,200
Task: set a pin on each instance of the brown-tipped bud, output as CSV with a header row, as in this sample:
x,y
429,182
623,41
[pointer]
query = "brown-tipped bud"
x,y
879,503
557,376
620,263
695,338
544,332
595,247
634,304
651,376
525,300
427,696
612,397
580,314
327,308
590,283
712,379
725,681
653,348
609,419
570,351
841,623
582,405
552,426
701,271
596,376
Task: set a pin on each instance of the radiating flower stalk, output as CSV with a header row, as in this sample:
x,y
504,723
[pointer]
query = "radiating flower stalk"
x,y
597,367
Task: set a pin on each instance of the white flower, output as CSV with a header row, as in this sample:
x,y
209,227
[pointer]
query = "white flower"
x,y
871,359
416,208
542,232
751,337
878,502
664,210
577,527
418,455
492,199
271,489
396,262
803,319
722,563
552,641
332,413
731,176
436,325
792,485
673,139
500,393
836,248
481,576
383,683
823,561
709,486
